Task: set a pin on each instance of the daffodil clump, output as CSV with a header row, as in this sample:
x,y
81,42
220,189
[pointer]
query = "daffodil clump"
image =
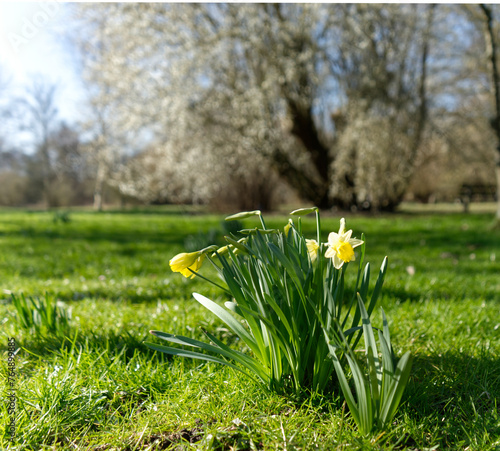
x,y
288,304
340,250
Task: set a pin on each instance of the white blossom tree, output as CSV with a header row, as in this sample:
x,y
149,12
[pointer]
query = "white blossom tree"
x,y
105,140
384,69
234,92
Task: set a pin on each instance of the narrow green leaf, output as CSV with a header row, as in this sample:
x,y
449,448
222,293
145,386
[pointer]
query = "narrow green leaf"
x,y
227,318
364,399
398,385
378,286
195,355
362,249
242,247
387,334
387,365
352,330
368,334
344,385
291,270
225,351
373,378
365,281
249,362
357,312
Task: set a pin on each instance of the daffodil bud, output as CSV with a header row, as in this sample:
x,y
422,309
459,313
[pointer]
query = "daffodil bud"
x,y
222,250
304,211
243,215
312,249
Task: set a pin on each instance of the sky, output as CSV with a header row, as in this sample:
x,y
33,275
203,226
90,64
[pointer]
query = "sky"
x,y
33,43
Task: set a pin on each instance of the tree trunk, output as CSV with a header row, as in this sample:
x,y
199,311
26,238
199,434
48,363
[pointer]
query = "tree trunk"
x,y
99,188
46,171
309,188
304,129
97,200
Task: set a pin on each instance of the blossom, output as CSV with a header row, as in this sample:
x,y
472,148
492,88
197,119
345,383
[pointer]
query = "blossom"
x,y
341,246
185,263
312,249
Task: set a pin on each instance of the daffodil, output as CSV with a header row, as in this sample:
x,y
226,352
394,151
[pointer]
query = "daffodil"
x,y
288,227
185,263
341,246
312,249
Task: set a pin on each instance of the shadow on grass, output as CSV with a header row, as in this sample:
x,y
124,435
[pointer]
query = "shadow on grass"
x,y
457,393
110,344
173,291
443,379
445,292
160,210
168,236
121,227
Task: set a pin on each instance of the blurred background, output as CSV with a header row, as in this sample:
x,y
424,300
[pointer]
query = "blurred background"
x,y
242,106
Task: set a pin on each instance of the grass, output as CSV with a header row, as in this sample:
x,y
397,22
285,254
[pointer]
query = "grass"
x,y
100,388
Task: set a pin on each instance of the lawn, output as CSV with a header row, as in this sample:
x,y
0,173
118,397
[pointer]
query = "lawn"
x,y
99,387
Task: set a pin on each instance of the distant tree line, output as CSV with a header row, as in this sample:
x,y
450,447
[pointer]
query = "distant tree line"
x,y
52,166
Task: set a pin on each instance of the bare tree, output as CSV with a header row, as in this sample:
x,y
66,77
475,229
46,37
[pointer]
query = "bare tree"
x,y
41,119
71,166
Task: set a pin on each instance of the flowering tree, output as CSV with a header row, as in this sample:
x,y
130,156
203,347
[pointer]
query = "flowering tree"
x,y
105,139
248,91
383,121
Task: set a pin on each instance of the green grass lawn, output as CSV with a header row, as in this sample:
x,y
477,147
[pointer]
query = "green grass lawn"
x,y
100,388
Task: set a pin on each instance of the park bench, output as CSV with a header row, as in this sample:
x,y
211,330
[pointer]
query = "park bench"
x,y
478,192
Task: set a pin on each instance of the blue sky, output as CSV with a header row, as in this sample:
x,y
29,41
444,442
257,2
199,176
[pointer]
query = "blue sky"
x,y
33,43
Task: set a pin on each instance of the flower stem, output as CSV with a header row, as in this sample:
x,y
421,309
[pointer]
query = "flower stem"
x,y
262,221
318,227
211,281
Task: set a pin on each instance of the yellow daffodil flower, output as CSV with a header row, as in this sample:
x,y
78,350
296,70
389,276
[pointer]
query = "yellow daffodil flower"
x,y
341,246
185,262
312,249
